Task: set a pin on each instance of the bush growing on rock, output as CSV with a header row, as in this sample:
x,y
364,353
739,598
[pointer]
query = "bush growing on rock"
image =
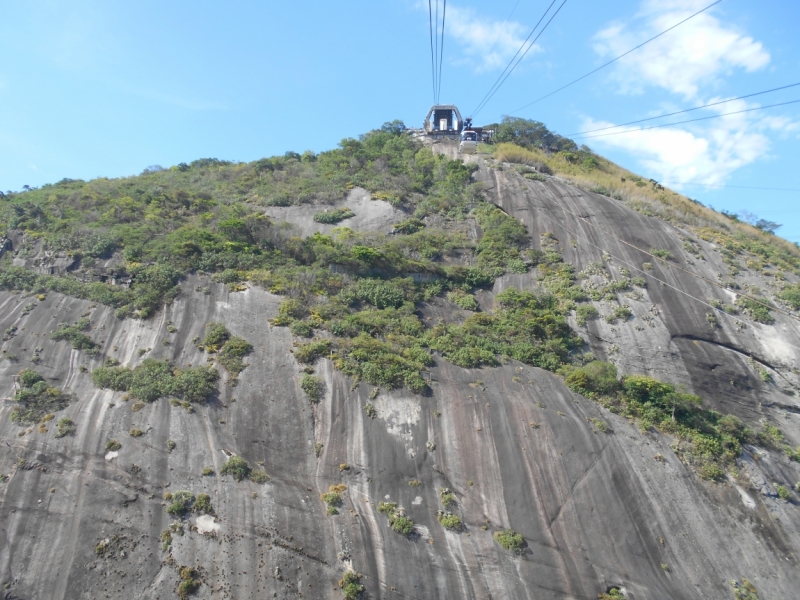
x,y
36,399
66,427
510,540
351,588
74,334
236,467
334,216
313,386
154,379
182,503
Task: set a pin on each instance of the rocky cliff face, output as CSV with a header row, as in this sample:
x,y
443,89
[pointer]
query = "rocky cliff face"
x,y
599,502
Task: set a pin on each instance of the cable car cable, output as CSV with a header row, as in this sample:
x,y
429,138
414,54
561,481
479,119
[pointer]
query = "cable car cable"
x,y
737,112
684,111
503,28
433,60
436,46
485,98
741,187
441,51
523,56
617,58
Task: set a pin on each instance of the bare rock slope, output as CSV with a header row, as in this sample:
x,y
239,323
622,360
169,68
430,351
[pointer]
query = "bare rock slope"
x,y
599,503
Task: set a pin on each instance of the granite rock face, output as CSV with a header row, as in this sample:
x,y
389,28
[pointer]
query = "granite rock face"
x,y
597,509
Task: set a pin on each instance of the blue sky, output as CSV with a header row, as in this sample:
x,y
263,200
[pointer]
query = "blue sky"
x,y
106,88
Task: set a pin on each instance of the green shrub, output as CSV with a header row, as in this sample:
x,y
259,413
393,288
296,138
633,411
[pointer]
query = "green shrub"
x,y
236,467
594,379
585,312
203,504
216,335
379,293
182,503
612,594
334,216
662,254
136,432
332,498
313,386
620,312
463,300
74,334
66,427
113,445
784,493
35,398
301,329
309,352
188,585
449,520
744,590
408,226
350,585
791,295
387,508
232,353
447,497
510,540
154,379
259,476
402,525
756,310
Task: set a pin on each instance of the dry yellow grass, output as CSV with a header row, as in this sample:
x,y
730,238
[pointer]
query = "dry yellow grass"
x,y
637,192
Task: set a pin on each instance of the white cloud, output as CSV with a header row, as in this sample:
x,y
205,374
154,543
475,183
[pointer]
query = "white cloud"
x,y
683,60
703,153
689,61
487,45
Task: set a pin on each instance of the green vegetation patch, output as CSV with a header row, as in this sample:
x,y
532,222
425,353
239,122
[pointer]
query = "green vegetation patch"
x,y
66,427
744,590
331,217
707,440
510,540
76,336
155,379
190,582
449,521
791,295
313,386
528,327
35,398
238,468
756,310
351,586
181,503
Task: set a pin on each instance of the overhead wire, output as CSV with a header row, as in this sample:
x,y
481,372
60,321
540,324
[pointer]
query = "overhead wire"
x,y
503,28
737,112
436,46
433,59
741,187
497,83
684,111
617,58
441,53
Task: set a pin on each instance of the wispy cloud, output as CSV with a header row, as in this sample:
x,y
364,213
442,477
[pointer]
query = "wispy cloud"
x,y
486,44
701,153
694,55
689,62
